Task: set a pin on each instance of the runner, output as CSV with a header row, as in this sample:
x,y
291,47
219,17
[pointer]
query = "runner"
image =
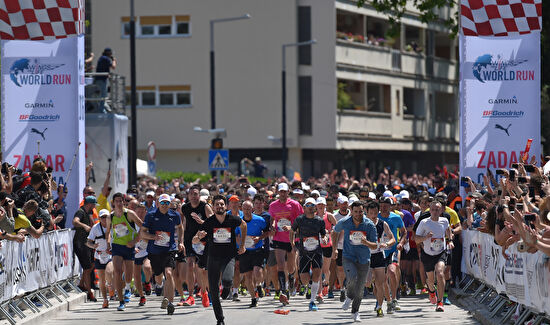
x,y
311,232
234,206
330,222
283,212
159,229
122,237
359,237
259,209
343,212
377,258
222,249
435,234
141,261
409,258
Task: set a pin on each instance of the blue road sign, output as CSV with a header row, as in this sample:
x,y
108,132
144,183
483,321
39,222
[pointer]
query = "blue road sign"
x,y
218,159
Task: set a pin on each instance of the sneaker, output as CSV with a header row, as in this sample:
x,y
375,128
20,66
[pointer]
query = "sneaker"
x,y
439,306
164,303
379,312
308,293
236,297
190,301
277,295
260,291
105,303
267,292
91,297
204,299
395,305
320,299
342,295
283,299
324,291
127,295
243,291
376,306
182,301
446,301
330,294
412,292
142,301
356,317
433,299
312,306
121,307
170,309
365,292
225,293
220,322
302,290
423,291
347,303
403,290
158,291
147,288
254,303
293,292
389,308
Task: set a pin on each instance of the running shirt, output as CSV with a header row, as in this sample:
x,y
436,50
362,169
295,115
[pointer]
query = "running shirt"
x,y
434,245
191,226
254,228
395,222
284,214
408,221
380,236
220,237
97,235
309,230
339,216
122,232
328,227
164,225
141,247
354,250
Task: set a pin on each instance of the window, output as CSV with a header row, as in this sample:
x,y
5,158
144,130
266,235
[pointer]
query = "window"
x,y
182,29
158,26
378,98
305,105
413,99
148,98
162,96
126,29
147,30
183,99
304,34
165,29
166,99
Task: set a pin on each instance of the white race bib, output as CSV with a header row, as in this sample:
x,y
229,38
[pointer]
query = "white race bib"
x,y
355,237
311,243
141,245
101,245
283,222
104,257
385,239
121,230
378,249
222,235
164,240
436,245
199,248
249,242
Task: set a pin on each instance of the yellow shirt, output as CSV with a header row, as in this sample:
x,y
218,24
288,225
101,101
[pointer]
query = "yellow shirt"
x,y
21,222
103,203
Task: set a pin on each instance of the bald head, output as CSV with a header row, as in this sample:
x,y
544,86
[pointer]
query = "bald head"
x,y
133,204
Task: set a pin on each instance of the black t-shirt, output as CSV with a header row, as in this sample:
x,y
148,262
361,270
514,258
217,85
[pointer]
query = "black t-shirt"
x,y
103,65
191,226
308,232
80,235
221,237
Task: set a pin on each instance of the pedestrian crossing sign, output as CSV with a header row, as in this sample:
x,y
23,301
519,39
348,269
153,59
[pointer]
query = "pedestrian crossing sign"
x,y
218,159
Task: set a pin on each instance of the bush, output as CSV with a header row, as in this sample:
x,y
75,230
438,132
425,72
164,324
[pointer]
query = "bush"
x,y
186,176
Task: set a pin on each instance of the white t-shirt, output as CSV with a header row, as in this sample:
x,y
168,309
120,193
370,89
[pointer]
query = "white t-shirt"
x,y
436,244
141,246
101,251
338,217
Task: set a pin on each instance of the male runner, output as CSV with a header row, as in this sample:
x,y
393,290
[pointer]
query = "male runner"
x,y
343,212
330,222
97,240
259,210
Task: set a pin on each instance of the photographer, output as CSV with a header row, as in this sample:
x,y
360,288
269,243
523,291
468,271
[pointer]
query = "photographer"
x,y
22,224
6,178
7,222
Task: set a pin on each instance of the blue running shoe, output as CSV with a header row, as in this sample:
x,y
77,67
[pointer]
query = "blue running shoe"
x,y
127,295
313,306
446,301
121,307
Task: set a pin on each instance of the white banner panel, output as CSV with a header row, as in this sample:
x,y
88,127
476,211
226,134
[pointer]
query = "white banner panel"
x,y
500,101
43,109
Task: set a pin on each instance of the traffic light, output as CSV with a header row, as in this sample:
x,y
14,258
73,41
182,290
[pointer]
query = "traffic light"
x,y
217,143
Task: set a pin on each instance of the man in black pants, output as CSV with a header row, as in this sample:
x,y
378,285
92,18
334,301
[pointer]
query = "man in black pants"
x,y
222,249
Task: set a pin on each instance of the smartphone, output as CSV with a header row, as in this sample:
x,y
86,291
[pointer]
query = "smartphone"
x,y
464,179
516,165
532,192
519,206
499,171
512,202
512,175
499,192
529,219
529,168
522,179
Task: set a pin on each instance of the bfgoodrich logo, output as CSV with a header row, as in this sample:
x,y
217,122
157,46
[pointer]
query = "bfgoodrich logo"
x,y
501,114
490,68
26,72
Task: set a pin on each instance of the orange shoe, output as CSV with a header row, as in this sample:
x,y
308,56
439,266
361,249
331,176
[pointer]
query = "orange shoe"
x,y
433,298
204,299
190,301
282,312
105,303
325,291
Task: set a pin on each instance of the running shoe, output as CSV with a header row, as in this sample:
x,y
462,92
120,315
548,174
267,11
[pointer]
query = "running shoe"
x,y
91,297
158,291
170,309
330,294
395,305
277,295
205,300
423,291
433,298
356,317
302,290
308,293
325,291
283,299
347,303
293,292
260,291
236,297
376,306
127,295
389,308
220,322
142,301
121,307
147,288
439,306
320,299
379,312
412,292
312,306
164,303
446,301
225,293
105,303
190,301
243,291
182,301
342,295
254,303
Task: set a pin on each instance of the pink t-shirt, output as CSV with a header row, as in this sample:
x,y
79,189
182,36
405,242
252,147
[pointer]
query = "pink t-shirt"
x,y
284,215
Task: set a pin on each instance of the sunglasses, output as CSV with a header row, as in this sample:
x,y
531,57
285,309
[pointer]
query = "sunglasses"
x,y
164,203
309,205
104,217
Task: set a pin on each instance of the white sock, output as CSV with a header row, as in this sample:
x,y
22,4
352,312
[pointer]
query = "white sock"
x,y
314,290
235,290
127,287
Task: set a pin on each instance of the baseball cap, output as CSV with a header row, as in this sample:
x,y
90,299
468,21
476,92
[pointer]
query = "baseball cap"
x,y
321,200
387,194
164,197
315,192
252,192
309,200
282,187
353,198
90,199
297,191
323,193
372,195
234,198
204,193
150,193
342,199
404,194
386,200
103,212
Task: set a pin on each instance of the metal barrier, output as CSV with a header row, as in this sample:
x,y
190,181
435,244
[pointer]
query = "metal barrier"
x,y
114,102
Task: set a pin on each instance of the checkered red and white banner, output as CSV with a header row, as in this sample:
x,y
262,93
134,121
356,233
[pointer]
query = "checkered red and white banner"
x,y
41,19
500,17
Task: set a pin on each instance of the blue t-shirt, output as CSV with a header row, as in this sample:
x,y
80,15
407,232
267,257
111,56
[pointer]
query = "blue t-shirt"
x,y
164,224
395,222
240,213
353,249
255,227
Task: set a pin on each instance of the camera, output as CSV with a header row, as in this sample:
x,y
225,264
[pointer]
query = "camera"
x,y
522,179
529,219
515,165
512,175
522,247
529,168
499,171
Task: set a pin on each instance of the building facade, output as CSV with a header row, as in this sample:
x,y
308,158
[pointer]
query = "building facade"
x,y
355,99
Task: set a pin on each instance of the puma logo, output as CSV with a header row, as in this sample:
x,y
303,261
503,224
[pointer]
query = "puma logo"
x,y
498,126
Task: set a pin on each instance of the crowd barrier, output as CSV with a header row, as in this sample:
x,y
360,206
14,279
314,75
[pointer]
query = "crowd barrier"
x,y
523,278
34,267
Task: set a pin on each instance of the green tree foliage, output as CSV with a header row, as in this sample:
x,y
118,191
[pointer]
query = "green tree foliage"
x,y
344,99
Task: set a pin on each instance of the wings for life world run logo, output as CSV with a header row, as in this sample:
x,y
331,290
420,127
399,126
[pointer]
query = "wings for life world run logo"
x,y
26,72
490,68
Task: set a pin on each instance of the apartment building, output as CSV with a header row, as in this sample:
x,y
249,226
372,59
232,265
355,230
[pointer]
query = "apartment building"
x,y
355,99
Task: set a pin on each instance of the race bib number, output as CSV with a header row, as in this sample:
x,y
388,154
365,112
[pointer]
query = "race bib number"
x,y
355,237
385,239
283,222
121,230
104,257
311,243
249,242
377,250
222,235
436,244
199,248
141,245
101,245
164,240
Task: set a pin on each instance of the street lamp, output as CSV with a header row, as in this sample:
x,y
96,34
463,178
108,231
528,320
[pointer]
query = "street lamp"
x,y
285,153
212,67
133,96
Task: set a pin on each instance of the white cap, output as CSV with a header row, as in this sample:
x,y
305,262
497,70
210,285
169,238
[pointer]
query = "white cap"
x,y
165,197
315,192
387,194
103,212
342,199
310,200
372,195
204,193
404,194
352,199
150,193
282,187
321,200
252,192
297,191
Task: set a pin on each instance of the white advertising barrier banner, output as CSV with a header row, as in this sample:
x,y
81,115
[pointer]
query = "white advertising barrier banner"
x,y
43,109
499,101
35,263
107,138
523,277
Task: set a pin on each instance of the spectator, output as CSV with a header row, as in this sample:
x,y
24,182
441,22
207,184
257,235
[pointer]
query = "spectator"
x,y
259,167
7,222
22,224
82,223
59,208
104,65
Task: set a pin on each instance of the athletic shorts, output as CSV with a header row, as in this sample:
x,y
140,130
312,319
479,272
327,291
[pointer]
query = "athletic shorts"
x,y
85,255
378,260
271,259
339,258
281,245
201,261
180,257
430,261
327,251
140,260
189,251
390,259
449,261
411,255
126,253
161,261
310,260
250,259
99,266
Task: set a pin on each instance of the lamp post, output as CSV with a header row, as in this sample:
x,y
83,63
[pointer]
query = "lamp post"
x,y
133,145
212,66
283,75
